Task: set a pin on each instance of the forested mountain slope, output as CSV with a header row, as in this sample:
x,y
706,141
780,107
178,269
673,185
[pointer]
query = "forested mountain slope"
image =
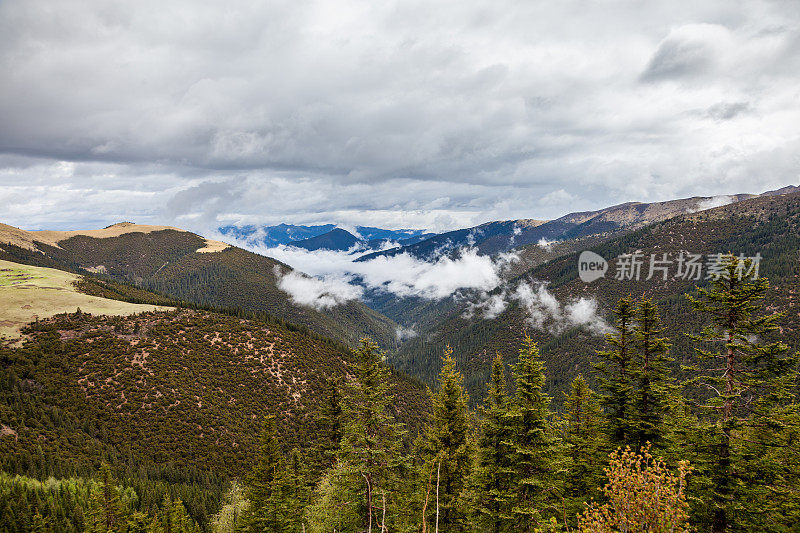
x,y
187,267
768,225
185,387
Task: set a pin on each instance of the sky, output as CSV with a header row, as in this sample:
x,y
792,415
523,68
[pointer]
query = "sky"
x,y
417,114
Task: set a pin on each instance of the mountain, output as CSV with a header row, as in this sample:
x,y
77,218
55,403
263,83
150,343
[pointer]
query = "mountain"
x,y
443,243
184,386
190,268
275,235
271,236
768,225
29,293
336,239
368,233
501,236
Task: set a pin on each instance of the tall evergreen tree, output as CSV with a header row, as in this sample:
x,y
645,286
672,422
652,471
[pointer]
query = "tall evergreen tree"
x,y
535,451
267,511
614,374
745,376
650,377
448,448
363,484
296,492
492,496
584,447
330,433
173,518
105,508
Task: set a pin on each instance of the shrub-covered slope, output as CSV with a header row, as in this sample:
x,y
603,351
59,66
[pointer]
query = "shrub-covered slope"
x,y
184,387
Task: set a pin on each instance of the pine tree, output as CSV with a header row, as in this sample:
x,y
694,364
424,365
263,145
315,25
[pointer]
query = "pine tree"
x,y
362,486
296,492
584,447
614,374
330,434
770,470
745,377
105,509
448,448
138,522
40,524
650,377
267,511
492,496
535,451
234,509
173,518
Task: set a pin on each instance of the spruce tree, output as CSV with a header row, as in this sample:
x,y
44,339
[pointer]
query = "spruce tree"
x,y
650,377
296,492
173,518
744,377
535,451
330,424
448,448
584,447
614,374
105,508
492,496
267,511
362,485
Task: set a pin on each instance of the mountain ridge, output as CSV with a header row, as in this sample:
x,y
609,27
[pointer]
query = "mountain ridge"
x,y
501,236
187,267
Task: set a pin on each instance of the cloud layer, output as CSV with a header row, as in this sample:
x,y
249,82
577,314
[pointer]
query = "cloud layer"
x,y
334,277
400,113
544,311
476,280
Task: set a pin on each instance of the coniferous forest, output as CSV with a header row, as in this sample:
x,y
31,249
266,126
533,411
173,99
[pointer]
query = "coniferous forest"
x,y
627,448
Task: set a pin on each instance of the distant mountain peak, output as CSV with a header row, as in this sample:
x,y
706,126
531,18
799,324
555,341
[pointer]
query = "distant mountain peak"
x,y
336,239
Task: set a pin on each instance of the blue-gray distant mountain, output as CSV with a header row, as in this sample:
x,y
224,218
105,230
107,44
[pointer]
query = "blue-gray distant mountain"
x,y
336,239
500,236
275,235
341,240
371,237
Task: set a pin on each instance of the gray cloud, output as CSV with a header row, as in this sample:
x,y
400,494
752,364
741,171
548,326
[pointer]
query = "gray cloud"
x,y
727,110
684,54
402,113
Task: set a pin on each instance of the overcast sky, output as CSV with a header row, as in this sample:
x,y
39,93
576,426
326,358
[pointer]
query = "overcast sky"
x,y
429,114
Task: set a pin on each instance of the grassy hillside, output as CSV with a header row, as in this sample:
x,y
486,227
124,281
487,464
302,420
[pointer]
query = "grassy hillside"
x,y
766,225
184,266
182,387
29,292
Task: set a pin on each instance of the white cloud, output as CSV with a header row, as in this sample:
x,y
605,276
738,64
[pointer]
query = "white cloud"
x,y
546,313
331,272
404,334
316,292
583,312
335,278
711,203
545,244
487,307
